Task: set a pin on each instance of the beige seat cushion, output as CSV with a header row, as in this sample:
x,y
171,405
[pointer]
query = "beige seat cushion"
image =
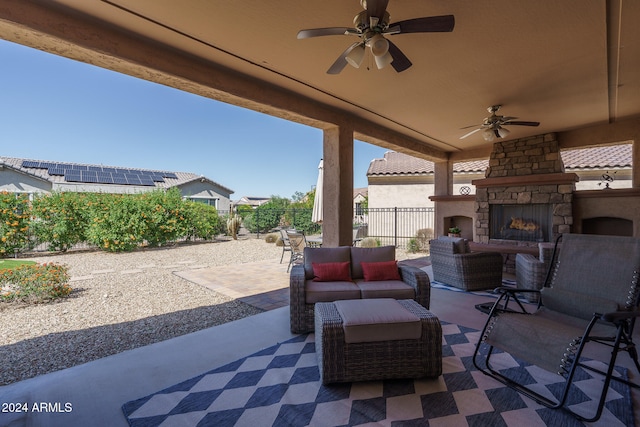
x,y
395,289
330,291
374,320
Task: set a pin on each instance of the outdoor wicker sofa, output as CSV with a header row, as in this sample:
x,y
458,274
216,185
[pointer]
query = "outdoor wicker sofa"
x,y
454,264
411,283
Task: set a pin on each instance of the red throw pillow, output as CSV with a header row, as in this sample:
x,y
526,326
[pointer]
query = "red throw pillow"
x,y
384,270
332,271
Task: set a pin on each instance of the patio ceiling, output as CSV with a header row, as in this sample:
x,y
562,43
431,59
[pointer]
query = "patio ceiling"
x,y
569,65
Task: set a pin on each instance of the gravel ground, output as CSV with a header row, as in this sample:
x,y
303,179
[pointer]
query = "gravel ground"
x,y
120,302
123,301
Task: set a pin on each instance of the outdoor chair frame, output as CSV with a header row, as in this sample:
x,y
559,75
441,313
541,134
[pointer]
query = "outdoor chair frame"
x,y
297,241
526,335
286,245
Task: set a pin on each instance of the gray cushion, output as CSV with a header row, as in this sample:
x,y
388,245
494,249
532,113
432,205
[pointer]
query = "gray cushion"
x,y
324,255
358,255
330,291
395,289
374,320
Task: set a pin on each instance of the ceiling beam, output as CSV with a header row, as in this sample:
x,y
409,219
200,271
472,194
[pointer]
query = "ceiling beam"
x,y
608,133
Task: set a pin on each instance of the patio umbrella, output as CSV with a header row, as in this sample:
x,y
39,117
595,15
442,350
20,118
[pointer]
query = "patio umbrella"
x,y
316,215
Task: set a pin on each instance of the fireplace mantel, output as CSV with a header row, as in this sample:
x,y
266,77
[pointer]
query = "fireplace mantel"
x,y
539,179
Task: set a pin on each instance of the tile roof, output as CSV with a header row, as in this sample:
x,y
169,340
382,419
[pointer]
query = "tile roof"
x,y
395,163
612,156
43,173
364,191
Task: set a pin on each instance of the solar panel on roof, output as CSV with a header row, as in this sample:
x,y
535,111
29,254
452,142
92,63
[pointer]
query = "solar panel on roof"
x,y
133,179
105,178
30,164
146,180
157,177
108,169
56,171
95,168
119,178
72,176
47,165
89,176
169,175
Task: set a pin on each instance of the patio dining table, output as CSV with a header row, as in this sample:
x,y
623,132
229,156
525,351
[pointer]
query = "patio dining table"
x,y
314,241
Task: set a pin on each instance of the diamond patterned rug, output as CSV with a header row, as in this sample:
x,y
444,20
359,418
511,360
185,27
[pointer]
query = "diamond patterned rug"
x,y
280,386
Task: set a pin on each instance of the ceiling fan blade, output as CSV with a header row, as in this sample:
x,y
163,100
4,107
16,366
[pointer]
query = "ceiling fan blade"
x,y
430,24
472,126
317,32
470,133
521,123
400,60
341,62
376,8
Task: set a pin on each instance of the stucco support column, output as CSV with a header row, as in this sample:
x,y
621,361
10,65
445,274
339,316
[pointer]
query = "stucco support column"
x,y
635,159
337,221
443,178
443,186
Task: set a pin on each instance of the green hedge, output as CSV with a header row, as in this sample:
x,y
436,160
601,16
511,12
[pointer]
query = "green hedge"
x,y
113,222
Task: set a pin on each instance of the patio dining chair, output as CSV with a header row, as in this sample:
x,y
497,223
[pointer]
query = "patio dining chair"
x,y
590,299
298,242
286,245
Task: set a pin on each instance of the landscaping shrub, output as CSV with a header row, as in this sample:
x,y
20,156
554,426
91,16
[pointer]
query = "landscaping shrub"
x,y
413,246
115,222
369,242
267,216
61,219
14,223
272,238
36,283
202,221
161,216
422,238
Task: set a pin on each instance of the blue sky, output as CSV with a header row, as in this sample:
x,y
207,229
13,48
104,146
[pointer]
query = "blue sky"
x,y
53,108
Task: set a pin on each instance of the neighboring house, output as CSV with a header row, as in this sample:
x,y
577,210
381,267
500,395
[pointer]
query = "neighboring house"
x,y
400,180
359,197
254,202
41,177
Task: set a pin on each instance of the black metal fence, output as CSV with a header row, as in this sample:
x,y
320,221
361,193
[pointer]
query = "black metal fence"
x,y
395,226
398,226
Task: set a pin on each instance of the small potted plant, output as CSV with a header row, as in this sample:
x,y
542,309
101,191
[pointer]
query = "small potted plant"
x,y
454,232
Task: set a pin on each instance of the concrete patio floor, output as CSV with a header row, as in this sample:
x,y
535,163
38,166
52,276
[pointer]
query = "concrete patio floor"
x,y
97,390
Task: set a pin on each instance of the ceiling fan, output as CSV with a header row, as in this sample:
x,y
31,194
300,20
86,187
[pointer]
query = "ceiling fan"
x,y
371,25
492,126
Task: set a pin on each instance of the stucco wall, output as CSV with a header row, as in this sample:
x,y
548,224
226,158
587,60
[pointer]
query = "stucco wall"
x,y
623,203
16,182
206,190
402,194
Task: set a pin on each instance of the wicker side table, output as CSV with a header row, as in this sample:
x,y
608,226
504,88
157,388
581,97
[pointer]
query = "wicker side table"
x,y
339,361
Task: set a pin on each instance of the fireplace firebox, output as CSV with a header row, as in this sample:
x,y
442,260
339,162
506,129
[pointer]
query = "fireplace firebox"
x,y
529,223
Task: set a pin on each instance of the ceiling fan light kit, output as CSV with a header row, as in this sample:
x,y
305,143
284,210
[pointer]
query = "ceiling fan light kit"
x,y
356,56
371,25
493,126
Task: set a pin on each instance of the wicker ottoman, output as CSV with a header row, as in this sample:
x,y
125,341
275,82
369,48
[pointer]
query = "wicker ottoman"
x,y
375,348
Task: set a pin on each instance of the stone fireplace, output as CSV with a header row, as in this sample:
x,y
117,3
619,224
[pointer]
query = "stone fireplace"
x,y
526,196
